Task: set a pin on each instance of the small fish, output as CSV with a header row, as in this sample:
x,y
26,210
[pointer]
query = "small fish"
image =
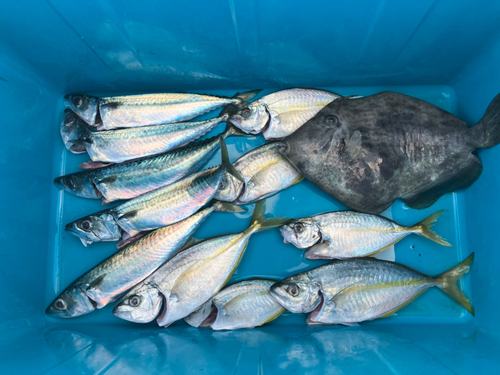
x,y
190,278
117,146
369,151
155,209
355,290
347,234
265,172
246,304
124,269
131,179
72,129
279,114
109,113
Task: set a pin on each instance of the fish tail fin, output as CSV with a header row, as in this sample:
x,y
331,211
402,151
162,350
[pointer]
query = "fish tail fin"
x,y
424,229
232,130
259,222
226,163
245,96
228,207
486,133
447,283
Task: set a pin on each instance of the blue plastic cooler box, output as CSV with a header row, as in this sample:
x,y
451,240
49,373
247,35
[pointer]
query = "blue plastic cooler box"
x,y
445,52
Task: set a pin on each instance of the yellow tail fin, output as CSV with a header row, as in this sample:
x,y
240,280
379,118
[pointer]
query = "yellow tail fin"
x,y
424,229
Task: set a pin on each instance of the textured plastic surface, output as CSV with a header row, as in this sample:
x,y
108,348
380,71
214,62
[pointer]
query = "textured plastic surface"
x,y
445,52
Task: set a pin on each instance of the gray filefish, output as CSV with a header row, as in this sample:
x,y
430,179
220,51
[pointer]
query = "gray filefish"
x,y
108,113
281,113
265,172
246,304
191,277
127,267
72,128
158,208
116,146
367,152
347,234
131,179
360,289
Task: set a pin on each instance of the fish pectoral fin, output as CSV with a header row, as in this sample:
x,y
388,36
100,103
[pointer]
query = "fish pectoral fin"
x,y
127,216
191,242
343,291
353,149
95,284
464,176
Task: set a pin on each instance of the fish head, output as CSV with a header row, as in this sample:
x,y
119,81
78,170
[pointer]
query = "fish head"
x,y
72,302
302,233
73,129
78,184
229,188
252,118
84,106
298,293
141,305
97,227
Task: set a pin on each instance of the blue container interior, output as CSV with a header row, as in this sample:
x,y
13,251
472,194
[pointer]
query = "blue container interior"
x,y
444,52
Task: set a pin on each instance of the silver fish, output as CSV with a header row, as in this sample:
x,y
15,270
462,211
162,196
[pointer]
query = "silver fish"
x,y
72,129
158,208
116,146
348,234
246,304
131,179
356,290
110,113
190,278
124,269
281,113
265,172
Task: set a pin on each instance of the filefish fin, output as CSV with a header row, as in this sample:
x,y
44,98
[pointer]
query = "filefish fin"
x,y
228,207
95,284
447,282
424,228
467,173
94,164
353,149
486,133
226,163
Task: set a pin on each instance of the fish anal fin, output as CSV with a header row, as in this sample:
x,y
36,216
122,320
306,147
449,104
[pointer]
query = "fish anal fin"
x,y
465,175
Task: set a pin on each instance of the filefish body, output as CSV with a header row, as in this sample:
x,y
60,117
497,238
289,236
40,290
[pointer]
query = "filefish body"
x,y
120,145
110,113
369,151
124,269
246,304
279,114
131,179
347,234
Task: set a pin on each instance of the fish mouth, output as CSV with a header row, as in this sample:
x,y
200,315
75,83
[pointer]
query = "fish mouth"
x,y
286,232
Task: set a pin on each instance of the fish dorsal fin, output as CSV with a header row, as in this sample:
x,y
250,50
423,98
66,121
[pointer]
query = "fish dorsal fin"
x,y
353,149
463,177
95,284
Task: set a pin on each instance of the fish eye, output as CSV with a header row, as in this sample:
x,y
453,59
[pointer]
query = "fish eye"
x,y
222,185
293,290
246,112
69,183
77,101
70,119
135,301
299,228
86,225
60,304
331,120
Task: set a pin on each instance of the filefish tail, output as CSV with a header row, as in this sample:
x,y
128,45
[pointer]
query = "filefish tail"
x,y
486,133
424,229
447,282
260,223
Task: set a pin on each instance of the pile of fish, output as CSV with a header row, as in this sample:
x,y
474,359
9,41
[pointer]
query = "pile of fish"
x,y
364,151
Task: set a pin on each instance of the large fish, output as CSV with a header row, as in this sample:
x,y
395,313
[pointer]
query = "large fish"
x,y
116,146
130,179
347,234
246,304
155,209
279,114
124,269
367,152
355,290
190,278
110,113
265,172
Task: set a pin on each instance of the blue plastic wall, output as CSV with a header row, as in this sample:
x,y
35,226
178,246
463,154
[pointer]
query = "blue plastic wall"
x,y
445,52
